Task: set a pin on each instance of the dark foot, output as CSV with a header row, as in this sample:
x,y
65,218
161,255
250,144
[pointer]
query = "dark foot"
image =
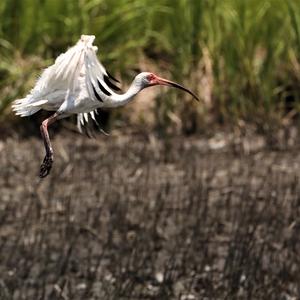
x,y
46,166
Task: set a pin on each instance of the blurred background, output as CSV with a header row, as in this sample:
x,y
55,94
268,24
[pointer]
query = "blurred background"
x,y
183,200
241,57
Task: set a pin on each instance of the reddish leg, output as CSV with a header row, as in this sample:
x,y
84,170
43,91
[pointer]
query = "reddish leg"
x,y
48,160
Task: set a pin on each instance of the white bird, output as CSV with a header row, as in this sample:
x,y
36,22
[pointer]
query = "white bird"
x,y
77,83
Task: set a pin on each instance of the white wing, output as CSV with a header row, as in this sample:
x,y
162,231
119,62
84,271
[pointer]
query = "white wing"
x,y
62,74
61,78
99,82
65,72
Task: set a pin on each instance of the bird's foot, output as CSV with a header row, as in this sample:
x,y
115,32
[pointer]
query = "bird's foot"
x,y
46,166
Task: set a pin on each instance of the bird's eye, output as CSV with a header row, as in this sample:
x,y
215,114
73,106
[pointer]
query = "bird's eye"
x,y
150,77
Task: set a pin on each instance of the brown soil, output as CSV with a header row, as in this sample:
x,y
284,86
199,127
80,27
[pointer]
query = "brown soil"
x,y
141,218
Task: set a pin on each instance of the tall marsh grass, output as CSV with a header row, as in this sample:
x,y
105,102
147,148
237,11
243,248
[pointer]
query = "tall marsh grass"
x,y
242,57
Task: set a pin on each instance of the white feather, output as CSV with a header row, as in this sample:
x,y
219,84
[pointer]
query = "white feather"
x,y
70,86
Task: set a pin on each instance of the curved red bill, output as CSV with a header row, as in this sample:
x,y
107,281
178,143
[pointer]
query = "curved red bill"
x,y
163,81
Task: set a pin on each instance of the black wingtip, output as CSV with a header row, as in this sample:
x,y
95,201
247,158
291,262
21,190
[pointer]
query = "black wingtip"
x,y
111,77
103,89
110,84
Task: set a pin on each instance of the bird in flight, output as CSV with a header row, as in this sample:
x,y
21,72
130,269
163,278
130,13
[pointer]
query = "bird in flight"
x,y
77,83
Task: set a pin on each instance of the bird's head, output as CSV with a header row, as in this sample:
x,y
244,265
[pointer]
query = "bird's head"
x,y
147,79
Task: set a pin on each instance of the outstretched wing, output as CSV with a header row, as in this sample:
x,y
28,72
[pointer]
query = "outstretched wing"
x,y
100,84
58,80
63,73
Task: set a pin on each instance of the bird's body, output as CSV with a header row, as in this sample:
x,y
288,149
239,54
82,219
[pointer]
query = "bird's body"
x,y
63,86
77,83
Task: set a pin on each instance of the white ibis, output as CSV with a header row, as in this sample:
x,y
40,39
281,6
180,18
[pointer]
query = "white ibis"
x,y
77,83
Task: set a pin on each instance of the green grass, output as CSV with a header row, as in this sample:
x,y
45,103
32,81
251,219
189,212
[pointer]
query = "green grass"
x,y
248,52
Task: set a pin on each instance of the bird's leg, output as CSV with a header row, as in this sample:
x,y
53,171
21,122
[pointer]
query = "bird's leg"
x,y
48,160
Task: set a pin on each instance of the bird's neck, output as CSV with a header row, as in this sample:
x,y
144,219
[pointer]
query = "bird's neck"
x,y
119,100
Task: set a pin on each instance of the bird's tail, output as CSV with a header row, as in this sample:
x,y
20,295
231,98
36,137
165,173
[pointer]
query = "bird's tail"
x,y
26,107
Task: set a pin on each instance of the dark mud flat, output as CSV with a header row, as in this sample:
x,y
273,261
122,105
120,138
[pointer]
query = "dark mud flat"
x,y
134,218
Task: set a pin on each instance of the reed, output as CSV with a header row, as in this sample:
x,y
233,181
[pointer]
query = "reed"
x,y
253,48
